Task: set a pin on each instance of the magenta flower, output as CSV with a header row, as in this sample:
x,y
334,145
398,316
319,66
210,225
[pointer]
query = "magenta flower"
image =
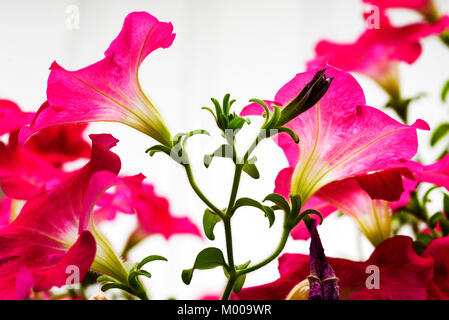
x,y
12,118
24,174
436,173
53,231
404,277
340,138
60,144
6,206
438,288
109,90
376,52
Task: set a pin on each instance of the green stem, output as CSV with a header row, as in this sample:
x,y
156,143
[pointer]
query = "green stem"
x,y
199,192
229,286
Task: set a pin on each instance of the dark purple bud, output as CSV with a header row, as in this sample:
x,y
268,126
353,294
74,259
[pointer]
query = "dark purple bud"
x,y
307,98
322,280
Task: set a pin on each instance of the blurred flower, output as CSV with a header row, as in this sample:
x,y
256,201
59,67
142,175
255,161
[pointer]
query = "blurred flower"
x,y
376,52
12,118
6,206
403,275
341,138
53,231
438,287
60,144
109,90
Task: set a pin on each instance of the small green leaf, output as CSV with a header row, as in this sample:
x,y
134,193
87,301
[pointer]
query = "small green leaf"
x,y
279,201
237,123
251,170
149,259
210,219
307,213
269,213
445,91
440,132
239,283
209,258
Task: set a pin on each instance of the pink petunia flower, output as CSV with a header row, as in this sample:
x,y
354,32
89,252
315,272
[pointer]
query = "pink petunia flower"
x,y
109,90
60,144
12,118
376,52
53,237
341,138
6,206
438,288
402,275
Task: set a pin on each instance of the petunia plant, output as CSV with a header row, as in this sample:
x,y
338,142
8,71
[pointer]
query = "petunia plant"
x,y
343,156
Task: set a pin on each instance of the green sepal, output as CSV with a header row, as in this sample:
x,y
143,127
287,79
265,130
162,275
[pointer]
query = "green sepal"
x,y
296,205
208,258
251,170
239,283
269,213
158,148
149,259
279,201
290,132
210,219
132,278
109,286
308,213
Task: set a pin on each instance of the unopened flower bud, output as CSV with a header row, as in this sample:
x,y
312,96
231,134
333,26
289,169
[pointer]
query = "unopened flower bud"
x,y
307,98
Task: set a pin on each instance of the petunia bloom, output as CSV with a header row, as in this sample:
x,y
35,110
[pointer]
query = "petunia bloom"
x,y
340,138
393,272
109,90
438,288
377,51
12,117
60,144
53,237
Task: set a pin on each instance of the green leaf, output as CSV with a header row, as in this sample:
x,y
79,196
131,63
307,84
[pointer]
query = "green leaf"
x,y
210,219
444,225
440,132
237,123
149,259
239,283
209,258
248,202
279,201
445,91
251,170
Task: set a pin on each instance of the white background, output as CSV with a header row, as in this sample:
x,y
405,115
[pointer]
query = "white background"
x,y
247,48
